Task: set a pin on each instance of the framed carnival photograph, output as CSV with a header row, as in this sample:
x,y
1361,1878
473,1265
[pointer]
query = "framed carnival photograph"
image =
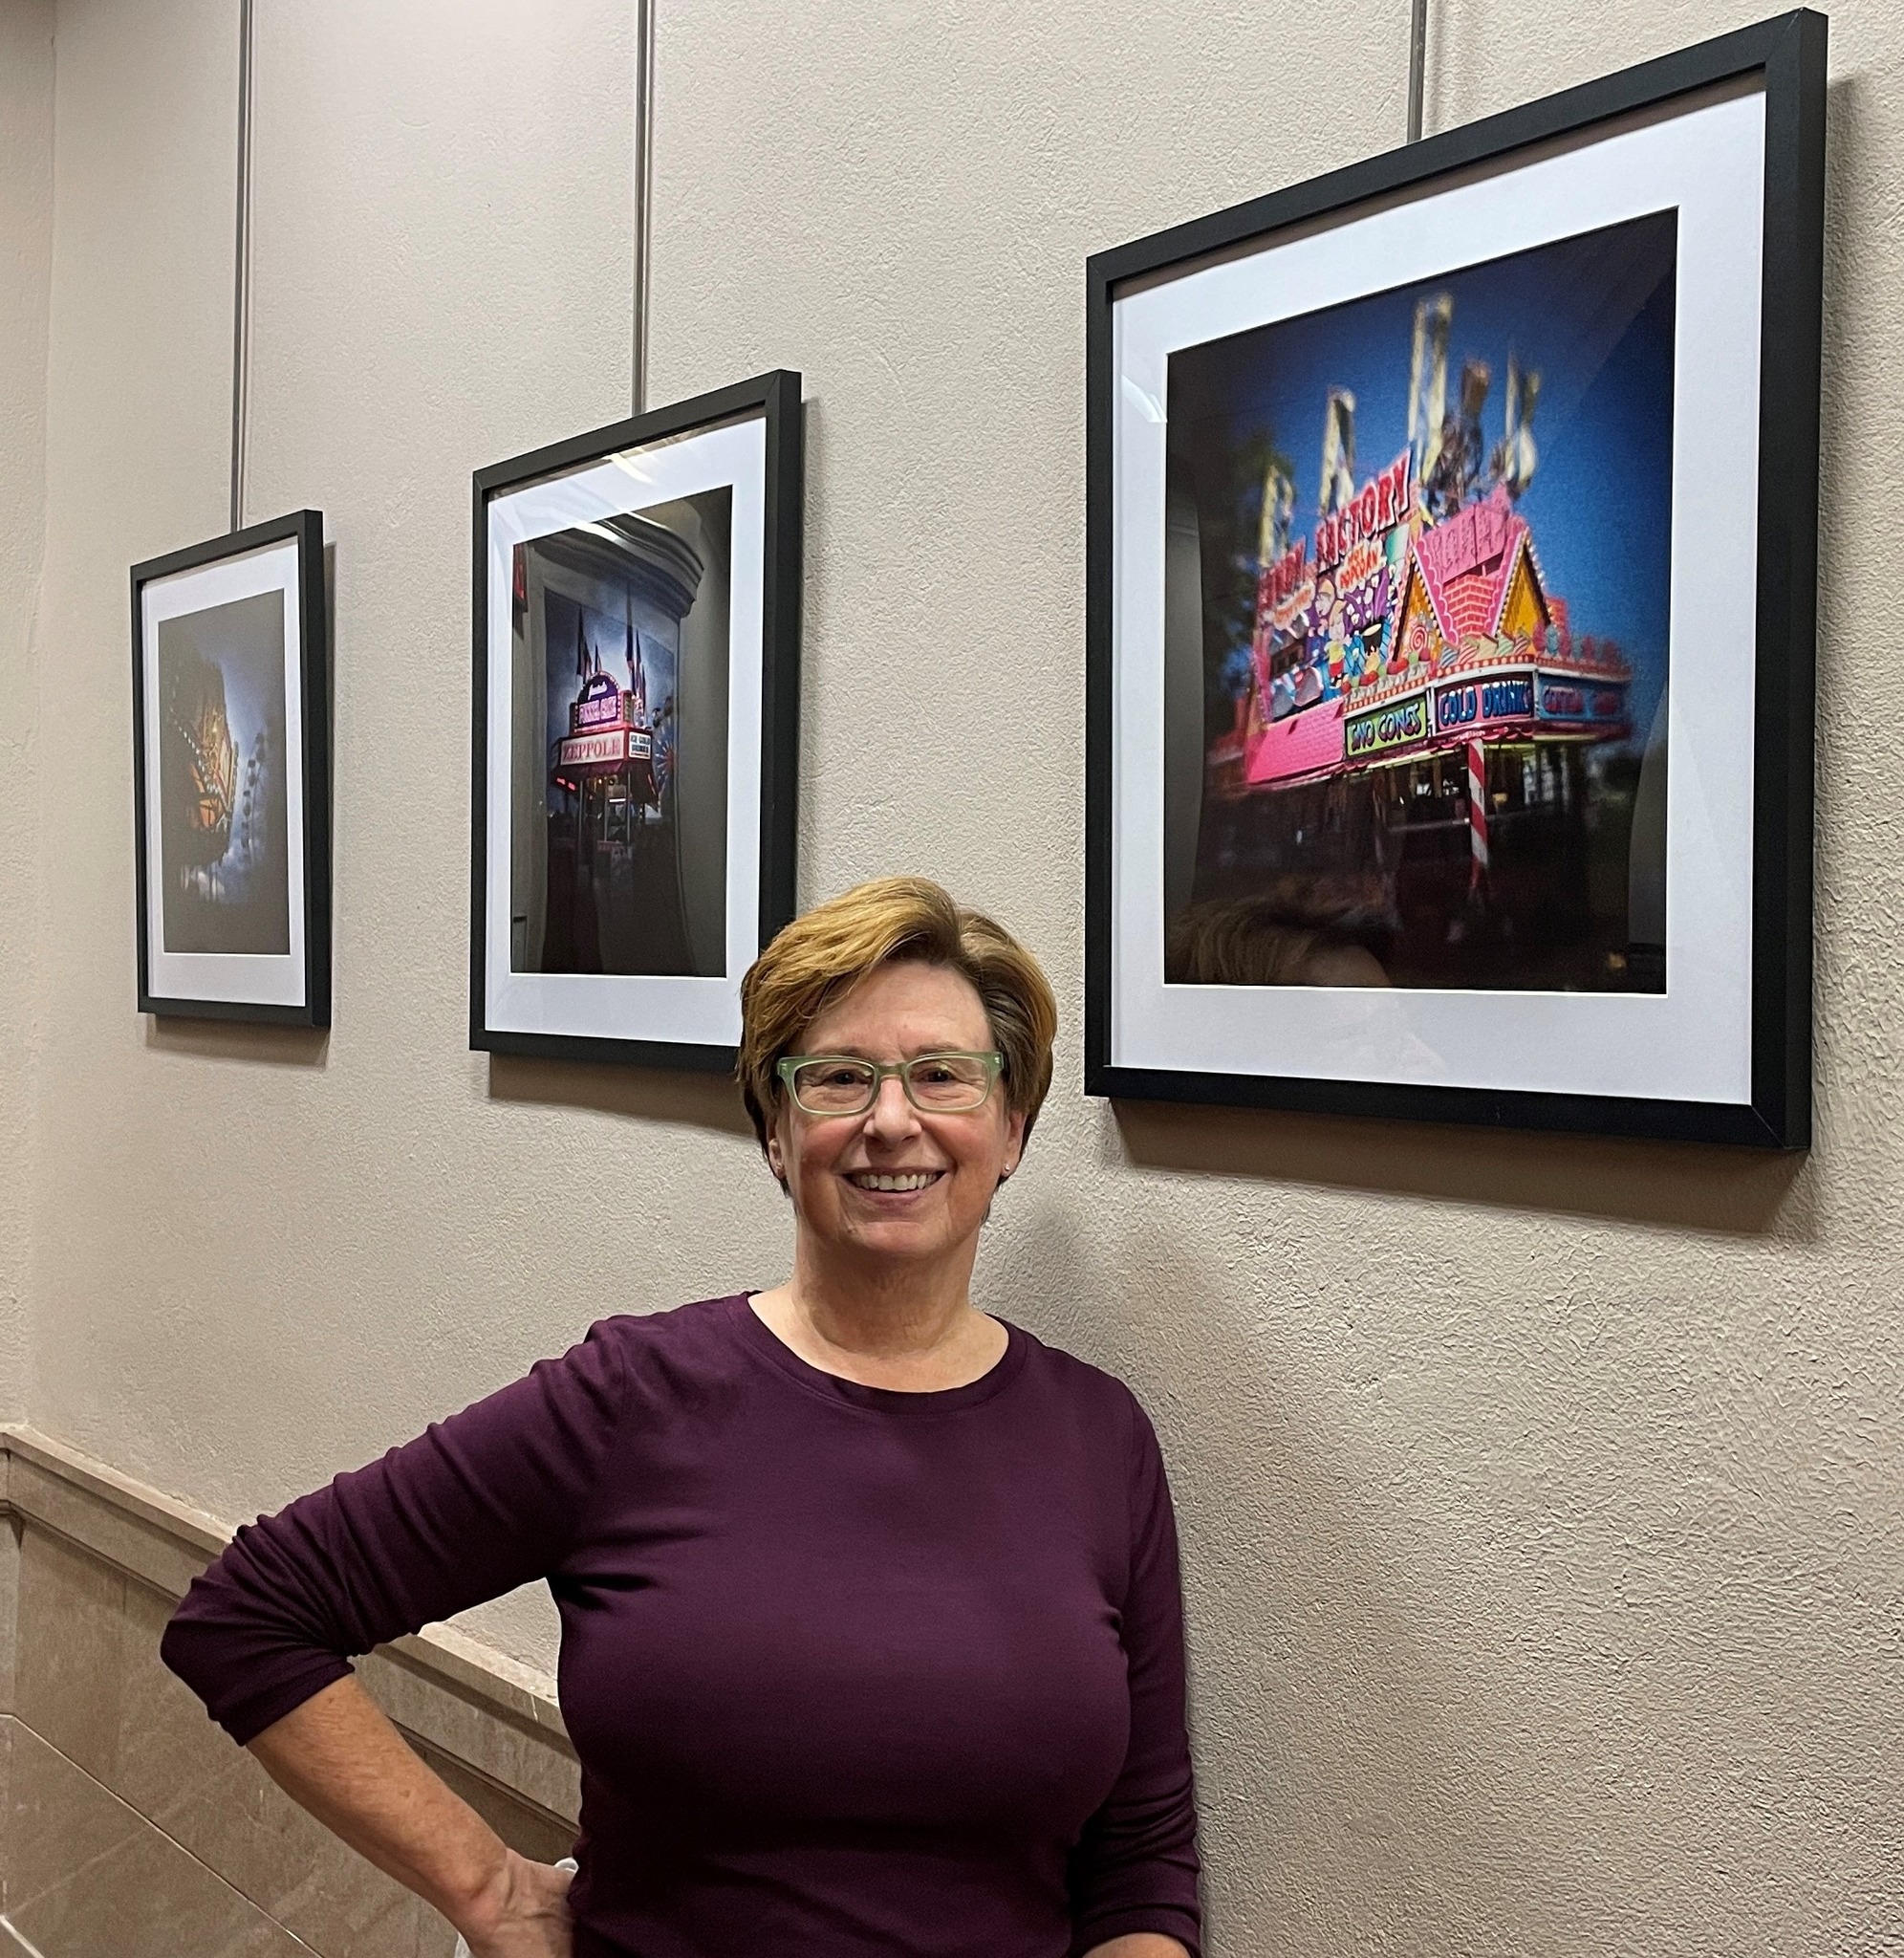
x,y
230,748
1451,572
636,725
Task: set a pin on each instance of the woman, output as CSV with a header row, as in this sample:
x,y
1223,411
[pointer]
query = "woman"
x,y
870,1632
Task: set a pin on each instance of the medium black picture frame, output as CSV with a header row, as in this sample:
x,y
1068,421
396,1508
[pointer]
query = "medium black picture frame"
x,y
1786,58
306,972
775,400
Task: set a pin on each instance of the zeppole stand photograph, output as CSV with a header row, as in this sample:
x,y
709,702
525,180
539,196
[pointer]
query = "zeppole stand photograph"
x,y
950,1004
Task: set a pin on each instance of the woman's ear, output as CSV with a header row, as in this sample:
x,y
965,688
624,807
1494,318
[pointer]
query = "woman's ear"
x,y
774,1160
1014,1142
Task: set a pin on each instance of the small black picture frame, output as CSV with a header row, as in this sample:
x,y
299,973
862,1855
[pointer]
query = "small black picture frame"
x,y
1347,916
637,596
231,776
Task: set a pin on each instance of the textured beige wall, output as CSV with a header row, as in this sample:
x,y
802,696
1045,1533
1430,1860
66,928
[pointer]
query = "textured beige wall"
x,y
1542,1500
26,267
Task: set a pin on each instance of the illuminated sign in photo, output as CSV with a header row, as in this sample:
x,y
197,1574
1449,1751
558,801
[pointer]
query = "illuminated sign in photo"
x,y
630,615
1479,702
1378,647
1399,726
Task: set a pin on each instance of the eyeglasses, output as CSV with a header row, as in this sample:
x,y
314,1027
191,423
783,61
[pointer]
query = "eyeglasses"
x,y
935,1083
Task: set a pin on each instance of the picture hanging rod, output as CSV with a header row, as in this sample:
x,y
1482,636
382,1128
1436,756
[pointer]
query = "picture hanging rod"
x,y
1418,65
241,294
644,189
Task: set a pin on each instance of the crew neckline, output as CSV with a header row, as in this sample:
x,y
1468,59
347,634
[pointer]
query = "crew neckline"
x,y
902,1401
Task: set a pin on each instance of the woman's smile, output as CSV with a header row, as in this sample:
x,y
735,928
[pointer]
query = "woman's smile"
x,y
893,1182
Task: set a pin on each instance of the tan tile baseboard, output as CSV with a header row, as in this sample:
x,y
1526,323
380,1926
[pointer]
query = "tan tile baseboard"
x,y
103,1746
86,1873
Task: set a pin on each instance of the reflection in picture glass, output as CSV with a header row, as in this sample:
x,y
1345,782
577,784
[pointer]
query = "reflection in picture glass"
x,y
620,839
223,834
1417,551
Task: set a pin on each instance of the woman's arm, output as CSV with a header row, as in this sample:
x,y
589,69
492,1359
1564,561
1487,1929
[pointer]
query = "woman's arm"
x,y
337,1755
1132,1874
491,1498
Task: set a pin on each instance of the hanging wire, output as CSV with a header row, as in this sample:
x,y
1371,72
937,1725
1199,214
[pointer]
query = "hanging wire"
x,y
240,295
1418,65
644,187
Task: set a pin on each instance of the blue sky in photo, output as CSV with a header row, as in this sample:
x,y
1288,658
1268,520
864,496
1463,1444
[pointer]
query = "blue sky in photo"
x,y
1593,314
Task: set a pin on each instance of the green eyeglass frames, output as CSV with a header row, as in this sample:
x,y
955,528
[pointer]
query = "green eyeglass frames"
x,y
935,1083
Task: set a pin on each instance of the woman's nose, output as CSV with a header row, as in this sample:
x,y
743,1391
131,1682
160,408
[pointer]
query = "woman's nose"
x,y
891,1113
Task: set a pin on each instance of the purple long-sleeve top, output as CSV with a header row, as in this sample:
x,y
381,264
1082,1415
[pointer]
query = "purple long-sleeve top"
x,y
850,1672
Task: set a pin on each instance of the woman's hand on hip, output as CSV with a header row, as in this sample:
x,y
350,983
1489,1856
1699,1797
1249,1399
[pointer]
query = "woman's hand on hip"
x,y
525,1915
337,1754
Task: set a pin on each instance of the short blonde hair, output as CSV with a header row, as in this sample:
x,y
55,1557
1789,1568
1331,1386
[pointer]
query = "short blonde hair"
x,y
821,956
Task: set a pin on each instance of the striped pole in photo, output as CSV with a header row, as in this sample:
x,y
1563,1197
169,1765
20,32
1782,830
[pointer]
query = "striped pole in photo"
x,y
1477,814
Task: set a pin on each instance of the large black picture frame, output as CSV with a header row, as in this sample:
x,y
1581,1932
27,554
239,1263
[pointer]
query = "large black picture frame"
x,y
1785,57
775,400
304,981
